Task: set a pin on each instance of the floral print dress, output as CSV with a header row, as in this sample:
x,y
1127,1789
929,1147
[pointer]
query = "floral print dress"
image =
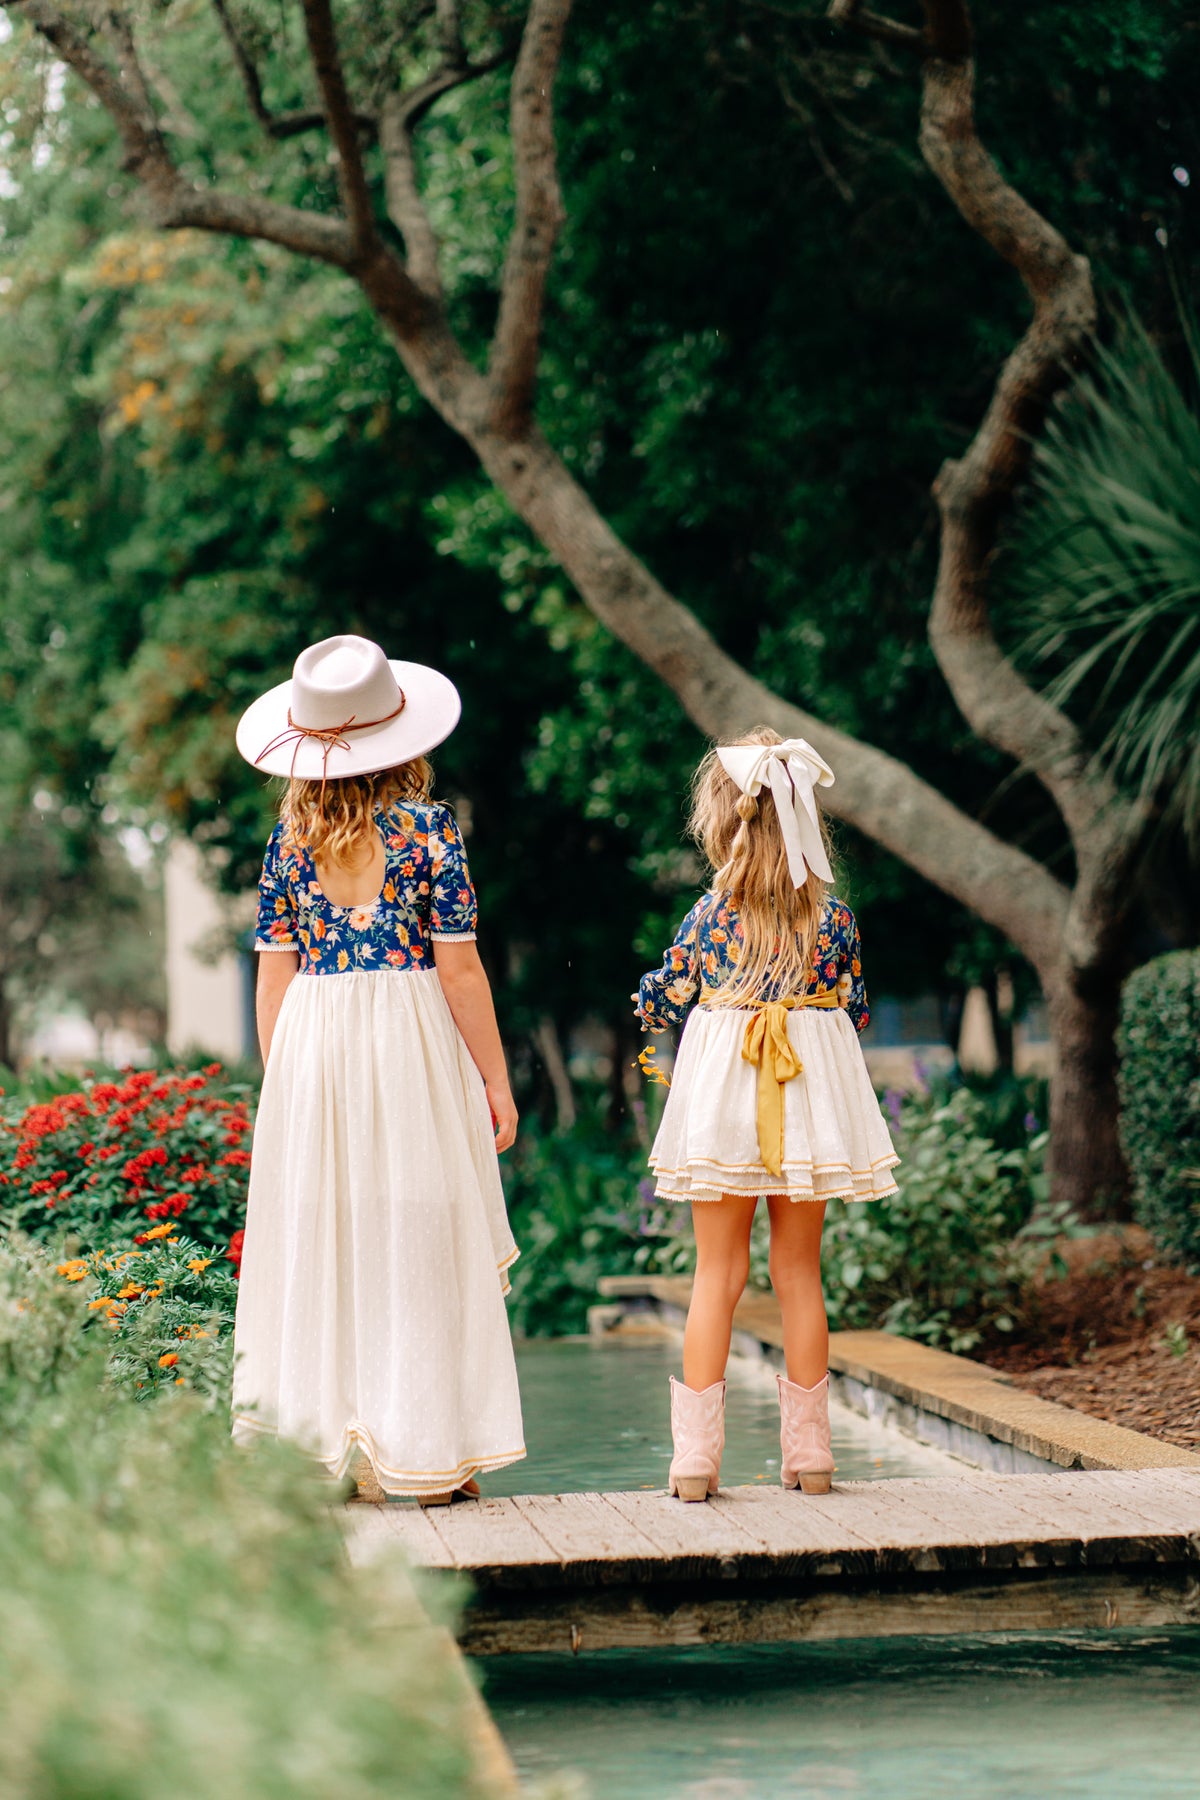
x,y
834,1139
371,1315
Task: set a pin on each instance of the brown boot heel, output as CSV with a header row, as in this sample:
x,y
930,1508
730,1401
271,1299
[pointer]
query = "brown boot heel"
x,y
691,1487
815,1484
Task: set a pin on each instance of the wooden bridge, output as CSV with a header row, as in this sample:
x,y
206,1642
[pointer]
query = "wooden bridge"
x,y
570,1572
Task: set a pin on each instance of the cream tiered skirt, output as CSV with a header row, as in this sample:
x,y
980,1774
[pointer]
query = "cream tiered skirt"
x,y
371,1307
836,1142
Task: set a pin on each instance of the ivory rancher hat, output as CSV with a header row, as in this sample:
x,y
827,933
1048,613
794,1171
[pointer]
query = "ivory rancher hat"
x,y
347,710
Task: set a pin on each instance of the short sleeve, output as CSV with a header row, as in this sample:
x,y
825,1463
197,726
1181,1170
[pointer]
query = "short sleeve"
x,y
453,913
665,994
276,925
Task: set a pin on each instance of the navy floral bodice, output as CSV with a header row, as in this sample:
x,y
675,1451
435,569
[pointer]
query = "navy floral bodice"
x,y
426,898
707,949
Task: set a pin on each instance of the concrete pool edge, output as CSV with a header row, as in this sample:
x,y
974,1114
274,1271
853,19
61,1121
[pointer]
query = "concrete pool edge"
x,y
948,1401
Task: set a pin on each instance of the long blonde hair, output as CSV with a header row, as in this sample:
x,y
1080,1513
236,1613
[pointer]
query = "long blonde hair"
x,y
742,840
336,823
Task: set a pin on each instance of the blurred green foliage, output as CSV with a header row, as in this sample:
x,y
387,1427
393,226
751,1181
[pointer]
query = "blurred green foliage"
x,y
179,1616
1159,1076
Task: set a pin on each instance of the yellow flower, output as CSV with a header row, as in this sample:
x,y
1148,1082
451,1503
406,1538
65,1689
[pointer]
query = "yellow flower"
x,y
95,1305
75,1270
180,1381
198,1263
130,1291
197,1331
161,1231
342,960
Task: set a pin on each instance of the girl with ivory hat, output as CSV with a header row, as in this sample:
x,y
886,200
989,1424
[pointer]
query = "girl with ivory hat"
x,y
371,1313
770,1093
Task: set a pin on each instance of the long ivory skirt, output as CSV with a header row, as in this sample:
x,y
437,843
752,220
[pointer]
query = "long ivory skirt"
x,y
836,1143
371,1305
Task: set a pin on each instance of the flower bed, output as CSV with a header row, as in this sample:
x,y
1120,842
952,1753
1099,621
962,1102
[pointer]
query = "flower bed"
x,y
169,1304
117,1160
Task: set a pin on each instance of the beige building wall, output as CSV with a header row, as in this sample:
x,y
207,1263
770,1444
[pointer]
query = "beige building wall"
x,y
206,973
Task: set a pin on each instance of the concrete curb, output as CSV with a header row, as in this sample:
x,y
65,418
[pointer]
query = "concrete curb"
x,y
948,1401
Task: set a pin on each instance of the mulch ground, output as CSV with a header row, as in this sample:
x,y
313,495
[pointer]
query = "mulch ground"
x,y
1118,1336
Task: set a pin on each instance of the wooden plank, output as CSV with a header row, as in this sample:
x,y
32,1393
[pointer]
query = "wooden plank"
x,y
1083,1504
637,1618
373,1529
591,1539
712,1539
1159,1494
495,1543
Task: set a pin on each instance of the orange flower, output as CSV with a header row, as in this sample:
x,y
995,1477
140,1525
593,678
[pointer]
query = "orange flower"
x,y
161,1231
199,1263
130,1291
95,1305
168,1359
75,1270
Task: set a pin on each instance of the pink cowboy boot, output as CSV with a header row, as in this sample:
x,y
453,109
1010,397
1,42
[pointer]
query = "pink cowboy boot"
x,y
807,1456
698,1434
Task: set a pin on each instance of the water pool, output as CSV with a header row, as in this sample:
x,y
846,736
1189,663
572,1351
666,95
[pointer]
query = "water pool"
x,y
1076,1717
597,1415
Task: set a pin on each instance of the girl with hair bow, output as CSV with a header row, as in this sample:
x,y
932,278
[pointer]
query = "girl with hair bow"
x,y
770,1093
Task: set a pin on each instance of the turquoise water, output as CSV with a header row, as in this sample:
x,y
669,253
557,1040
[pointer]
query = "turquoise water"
x,y
1077,1717
597,1415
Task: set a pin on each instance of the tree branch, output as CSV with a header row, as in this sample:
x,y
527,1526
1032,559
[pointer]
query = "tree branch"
x,y
400,115
405,207
875,792
276,125
352,175
512,365
975,492
174,202
874,25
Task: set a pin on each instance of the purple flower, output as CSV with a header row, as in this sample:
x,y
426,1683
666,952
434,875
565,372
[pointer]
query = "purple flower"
x,y
646,1191
920,1069
892,1101
1031,1123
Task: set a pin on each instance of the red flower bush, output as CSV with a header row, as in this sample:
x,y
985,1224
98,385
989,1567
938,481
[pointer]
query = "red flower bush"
x,y
152,1146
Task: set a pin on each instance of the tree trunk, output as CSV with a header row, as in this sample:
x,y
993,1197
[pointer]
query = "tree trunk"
x,y
548,1044
1086,1165
8,1047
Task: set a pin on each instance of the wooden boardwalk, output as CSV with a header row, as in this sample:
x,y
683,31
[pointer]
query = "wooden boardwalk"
x,y
977,1552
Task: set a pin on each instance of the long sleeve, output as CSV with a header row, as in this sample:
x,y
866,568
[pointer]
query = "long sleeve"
x,y
664,994
850,975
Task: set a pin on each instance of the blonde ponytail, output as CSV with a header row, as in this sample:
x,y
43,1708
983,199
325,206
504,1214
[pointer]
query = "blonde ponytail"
x,y
741,838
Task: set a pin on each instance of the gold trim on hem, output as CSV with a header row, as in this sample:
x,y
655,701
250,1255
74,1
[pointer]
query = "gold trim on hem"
x,y
360,1438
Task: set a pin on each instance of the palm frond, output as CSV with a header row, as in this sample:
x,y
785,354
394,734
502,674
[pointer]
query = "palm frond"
x,y
1106,567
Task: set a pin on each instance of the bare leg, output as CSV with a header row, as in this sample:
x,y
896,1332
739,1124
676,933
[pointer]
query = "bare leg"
x,y
796,1277
722,1230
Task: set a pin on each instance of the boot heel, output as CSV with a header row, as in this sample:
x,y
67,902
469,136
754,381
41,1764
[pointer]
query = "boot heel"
x,y
697,1439
815,1484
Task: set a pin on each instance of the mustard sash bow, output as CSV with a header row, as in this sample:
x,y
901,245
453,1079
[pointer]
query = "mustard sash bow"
x,y
767,1043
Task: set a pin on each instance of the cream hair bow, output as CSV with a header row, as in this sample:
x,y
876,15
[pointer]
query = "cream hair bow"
x,y
791,770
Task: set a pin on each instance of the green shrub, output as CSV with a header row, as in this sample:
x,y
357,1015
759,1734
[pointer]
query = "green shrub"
x,y
1159,1078
113,1157
582,1206
178,1616
946,1259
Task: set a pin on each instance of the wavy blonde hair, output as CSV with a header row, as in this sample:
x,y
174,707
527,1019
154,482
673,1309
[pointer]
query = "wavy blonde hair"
x,y
742,839
337,823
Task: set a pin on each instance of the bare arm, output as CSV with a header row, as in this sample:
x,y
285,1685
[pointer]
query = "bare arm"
x,y
276,971
470,1001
